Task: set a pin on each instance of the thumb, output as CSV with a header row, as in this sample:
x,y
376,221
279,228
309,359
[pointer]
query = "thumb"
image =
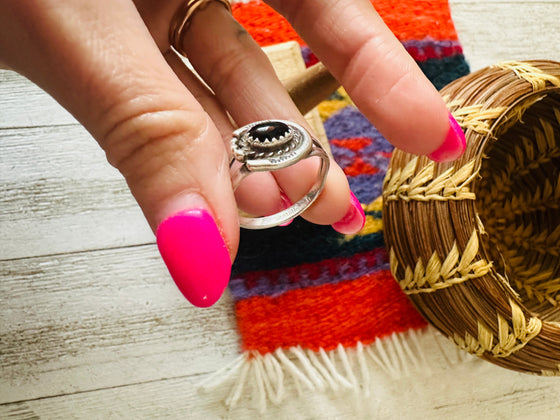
x,y
99,61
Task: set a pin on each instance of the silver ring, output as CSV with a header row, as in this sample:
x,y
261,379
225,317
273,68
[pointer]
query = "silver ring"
x,y
270,145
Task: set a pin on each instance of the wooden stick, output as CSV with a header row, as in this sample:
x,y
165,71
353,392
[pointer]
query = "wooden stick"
x,y
311,87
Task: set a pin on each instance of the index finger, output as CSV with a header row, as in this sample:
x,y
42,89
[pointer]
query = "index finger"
x,y
386,84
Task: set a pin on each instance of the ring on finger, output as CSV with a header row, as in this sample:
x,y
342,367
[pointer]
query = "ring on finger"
x,y
270,145
183,18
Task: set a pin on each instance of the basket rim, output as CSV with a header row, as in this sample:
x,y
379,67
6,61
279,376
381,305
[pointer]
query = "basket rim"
x,y
525,326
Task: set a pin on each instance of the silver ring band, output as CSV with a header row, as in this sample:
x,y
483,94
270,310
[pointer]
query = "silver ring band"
x,y
270,145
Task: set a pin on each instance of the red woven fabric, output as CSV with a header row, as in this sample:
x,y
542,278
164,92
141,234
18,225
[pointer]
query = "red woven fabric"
x,y
324,316
408,19
306,285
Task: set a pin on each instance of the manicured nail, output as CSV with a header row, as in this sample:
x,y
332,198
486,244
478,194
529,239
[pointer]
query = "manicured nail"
x,y
453,146
196,255
354,219
286,203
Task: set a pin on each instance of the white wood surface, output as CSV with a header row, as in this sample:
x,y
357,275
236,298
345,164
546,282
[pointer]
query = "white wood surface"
x,y
91,325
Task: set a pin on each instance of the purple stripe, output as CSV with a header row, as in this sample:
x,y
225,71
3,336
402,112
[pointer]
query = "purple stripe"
x,y
367,187
375,158
281,281
307,54
436,44
351,123
429,47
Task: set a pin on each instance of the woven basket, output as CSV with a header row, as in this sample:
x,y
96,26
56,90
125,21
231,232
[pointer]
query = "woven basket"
x,y
476,243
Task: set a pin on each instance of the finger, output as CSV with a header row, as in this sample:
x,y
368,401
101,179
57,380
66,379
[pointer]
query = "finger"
x,y
241,76
350,38
259,194
99,61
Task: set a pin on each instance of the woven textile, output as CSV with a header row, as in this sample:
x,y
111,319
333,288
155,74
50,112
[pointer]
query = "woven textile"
x,y
305,292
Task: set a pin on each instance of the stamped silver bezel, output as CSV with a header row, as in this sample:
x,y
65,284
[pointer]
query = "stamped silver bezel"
x,y
274,154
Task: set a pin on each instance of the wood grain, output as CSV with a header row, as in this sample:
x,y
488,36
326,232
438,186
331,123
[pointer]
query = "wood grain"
x,y
501,30
59,195
24,104
98,319
474,391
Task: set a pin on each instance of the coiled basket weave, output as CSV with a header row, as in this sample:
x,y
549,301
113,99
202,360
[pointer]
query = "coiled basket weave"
x,y
476,243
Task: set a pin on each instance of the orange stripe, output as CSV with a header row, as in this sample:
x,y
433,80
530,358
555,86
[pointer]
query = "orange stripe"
x,y
359,167
408,19
352,143
265,25
322,317
417,19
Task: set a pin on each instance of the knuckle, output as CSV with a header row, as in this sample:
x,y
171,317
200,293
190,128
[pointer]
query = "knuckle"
x,y
146,142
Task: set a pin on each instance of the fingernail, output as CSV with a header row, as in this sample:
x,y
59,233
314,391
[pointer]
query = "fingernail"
x,y
286,203
196,255
453,146
354,219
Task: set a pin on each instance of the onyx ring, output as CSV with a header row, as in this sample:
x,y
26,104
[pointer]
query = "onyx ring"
x,y
270,145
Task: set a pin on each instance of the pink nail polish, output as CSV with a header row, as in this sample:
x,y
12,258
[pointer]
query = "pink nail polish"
x,y
196,255
354,219
286,202
453,146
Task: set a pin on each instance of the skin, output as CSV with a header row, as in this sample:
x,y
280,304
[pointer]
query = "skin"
x,y
109,63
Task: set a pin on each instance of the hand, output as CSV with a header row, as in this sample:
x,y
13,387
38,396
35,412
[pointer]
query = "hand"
x,y
109,63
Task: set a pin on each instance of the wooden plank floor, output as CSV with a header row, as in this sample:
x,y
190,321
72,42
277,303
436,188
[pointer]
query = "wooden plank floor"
x,y
91,325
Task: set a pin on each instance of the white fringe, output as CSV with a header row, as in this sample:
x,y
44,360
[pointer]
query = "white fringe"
x,y
263,377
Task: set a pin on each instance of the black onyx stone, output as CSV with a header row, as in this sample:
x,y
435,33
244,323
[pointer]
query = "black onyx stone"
x,y
268,130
